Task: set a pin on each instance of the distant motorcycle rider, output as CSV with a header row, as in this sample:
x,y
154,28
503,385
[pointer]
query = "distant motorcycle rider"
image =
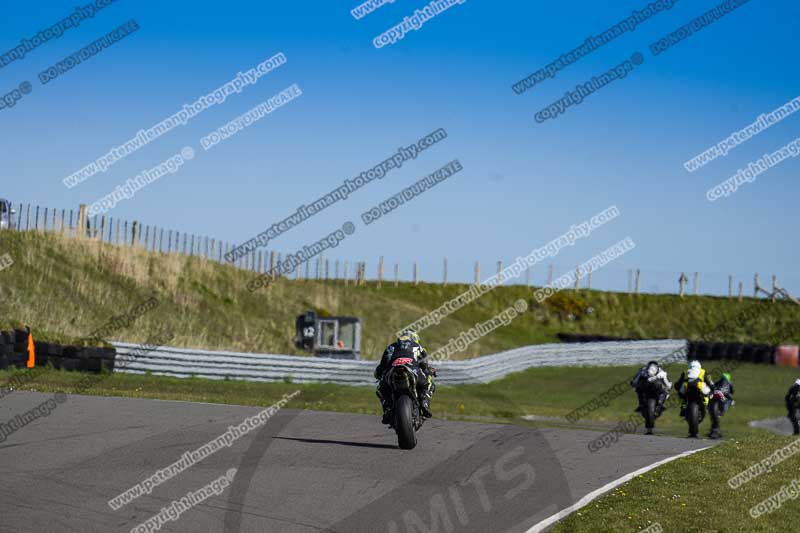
x,y
704,383
651,374
407,342
723,392
792,403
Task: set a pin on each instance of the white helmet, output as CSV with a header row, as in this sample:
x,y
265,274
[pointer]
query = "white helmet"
x,y
694,370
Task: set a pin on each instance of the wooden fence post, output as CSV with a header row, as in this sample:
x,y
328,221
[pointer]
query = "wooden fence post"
x,y
63,214
528,276
741,287
589,277
550,275
730,285
44,222
682,284
416,273
577,277
695,284
756,286
345,272
272,264
81,230
102,227
444,276
396,274
638,277
28,219
774,287
36,222
380,272
477,272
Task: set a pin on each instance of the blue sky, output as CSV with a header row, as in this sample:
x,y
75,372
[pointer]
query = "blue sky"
x,y
523,182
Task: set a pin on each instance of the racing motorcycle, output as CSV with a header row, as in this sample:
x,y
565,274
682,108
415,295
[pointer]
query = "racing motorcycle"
x,y
696,400
717,406
652,409
407,419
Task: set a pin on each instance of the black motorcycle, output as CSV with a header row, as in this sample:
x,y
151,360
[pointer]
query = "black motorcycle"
x,y
696,399
793,407
717,406
654,396
407,419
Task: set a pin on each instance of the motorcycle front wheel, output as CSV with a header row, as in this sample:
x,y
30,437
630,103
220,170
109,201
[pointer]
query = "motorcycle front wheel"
x,y
404,423
650,413
693,417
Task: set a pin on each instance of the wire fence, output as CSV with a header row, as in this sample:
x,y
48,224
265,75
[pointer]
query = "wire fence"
x,y
77,224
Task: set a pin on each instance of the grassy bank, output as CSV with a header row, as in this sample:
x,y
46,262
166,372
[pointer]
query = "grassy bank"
x,y
66,289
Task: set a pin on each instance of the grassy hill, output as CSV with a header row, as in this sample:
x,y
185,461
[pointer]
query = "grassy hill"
x,y
66,289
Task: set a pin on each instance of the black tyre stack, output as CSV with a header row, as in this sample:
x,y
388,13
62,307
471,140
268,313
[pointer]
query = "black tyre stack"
x,y
7,341
731,351
14,352
583,337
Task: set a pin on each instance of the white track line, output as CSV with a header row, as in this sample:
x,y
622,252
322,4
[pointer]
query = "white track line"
x,y
547,522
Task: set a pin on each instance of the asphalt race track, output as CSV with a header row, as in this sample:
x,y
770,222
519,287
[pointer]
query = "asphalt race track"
x,y
780,426
303,471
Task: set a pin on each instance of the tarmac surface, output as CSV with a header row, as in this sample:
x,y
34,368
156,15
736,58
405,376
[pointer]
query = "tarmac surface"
x,y
301,471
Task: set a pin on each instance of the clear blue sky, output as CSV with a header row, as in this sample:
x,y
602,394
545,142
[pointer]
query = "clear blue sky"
x,y
523,182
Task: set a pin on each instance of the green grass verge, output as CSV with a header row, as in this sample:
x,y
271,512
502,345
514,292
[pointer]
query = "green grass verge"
x,y
66,289
692,494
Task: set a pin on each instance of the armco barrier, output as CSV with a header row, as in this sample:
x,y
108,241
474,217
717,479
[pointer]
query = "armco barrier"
x,y
186,362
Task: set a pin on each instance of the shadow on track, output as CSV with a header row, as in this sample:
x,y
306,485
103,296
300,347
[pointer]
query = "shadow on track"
x,y
341,442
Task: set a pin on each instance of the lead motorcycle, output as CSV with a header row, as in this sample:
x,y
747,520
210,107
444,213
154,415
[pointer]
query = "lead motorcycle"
x,y
407,419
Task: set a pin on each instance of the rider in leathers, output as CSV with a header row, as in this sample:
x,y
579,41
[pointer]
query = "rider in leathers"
x,y
792,402
407,343
651,373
